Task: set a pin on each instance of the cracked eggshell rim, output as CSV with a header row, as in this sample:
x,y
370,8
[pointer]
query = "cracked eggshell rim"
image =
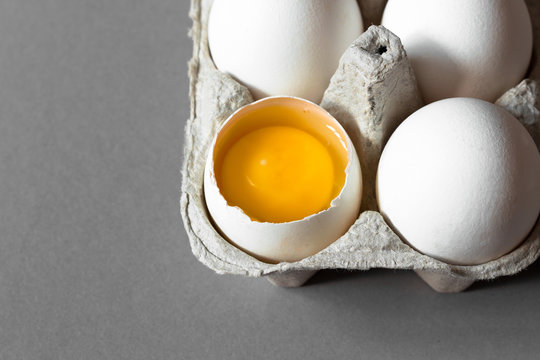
x,y
289,241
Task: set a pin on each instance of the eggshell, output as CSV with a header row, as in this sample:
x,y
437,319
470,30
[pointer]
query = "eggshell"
x,y
289,241
459,180
282,47
465,48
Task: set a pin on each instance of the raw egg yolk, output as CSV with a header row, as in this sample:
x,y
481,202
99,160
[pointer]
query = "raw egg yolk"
x,y
278,174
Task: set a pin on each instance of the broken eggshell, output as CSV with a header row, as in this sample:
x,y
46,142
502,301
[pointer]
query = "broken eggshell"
x,y
294,240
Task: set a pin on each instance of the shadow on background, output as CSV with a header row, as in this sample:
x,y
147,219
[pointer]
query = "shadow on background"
x,y
530,275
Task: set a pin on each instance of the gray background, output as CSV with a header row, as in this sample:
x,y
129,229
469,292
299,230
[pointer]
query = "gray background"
x,y
94,260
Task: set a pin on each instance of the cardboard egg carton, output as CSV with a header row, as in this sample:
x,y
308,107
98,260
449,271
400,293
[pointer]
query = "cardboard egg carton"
x,y
373,90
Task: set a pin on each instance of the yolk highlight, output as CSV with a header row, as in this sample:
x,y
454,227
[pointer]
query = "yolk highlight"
x,y
278,174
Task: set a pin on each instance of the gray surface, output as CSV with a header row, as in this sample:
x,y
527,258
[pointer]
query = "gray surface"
x,y
94,260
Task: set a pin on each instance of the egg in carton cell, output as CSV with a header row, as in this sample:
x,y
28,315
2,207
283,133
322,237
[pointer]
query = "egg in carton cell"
x,y
369,110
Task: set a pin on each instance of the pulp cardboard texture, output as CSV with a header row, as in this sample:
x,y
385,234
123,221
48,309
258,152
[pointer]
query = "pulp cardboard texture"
x,y
372,91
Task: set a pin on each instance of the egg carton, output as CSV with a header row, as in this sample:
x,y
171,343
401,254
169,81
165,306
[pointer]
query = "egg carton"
x,y
373,90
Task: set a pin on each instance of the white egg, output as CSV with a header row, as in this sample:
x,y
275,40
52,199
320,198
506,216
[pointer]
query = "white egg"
x,y
463,48
282,47
294,240
459,180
